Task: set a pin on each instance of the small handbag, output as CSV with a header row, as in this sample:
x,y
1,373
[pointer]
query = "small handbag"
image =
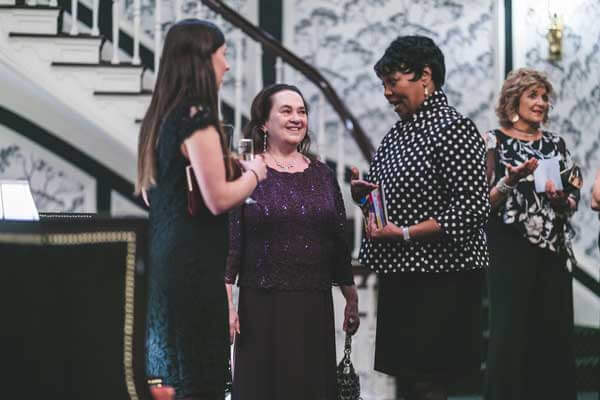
x,y
348,383
194,197
571,179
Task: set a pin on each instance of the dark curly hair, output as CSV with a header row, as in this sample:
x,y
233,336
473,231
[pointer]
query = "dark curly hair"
x,y
411,54
259,114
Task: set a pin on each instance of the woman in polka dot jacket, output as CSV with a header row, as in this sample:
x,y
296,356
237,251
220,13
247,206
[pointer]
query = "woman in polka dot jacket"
x,y
430,256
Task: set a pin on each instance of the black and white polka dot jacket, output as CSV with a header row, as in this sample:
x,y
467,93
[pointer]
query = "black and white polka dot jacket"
x,y
432,165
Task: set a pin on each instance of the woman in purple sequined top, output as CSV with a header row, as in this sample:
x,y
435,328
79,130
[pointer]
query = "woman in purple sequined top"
x,y
286,251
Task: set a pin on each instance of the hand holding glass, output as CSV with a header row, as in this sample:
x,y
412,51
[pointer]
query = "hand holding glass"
x,y
246,153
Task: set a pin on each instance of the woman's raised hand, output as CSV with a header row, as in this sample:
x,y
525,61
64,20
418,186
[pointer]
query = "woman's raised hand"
x,y
257,165
521,171
358,187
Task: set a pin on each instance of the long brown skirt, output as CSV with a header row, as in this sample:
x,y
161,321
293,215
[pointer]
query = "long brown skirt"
x,y
429,325
286,348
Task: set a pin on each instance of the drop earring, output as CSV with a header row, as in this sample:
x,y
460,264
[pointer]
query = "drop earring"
x,y
426,91
265,143
515,118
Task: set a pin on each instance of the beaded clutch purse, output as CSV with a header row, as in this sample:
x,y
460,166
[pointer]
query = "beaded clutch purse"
x,y
348,383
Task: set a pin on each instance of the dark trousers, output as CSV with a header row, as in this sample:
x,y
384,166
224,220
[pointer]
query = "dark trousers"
x,y
428,330
530,354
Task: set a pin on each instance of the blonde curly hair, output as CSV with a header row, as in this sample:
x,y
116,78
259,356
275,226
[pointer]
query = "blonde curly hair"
x,y
515,84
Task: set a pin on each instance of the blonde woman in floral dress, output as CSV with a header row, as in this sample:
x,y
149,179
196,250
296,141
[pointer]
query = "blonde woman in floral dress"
x,y
531,300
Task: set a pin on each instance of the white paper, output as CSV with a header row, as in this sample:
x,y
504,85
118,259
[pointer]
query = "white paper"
x,y
547,170
17,202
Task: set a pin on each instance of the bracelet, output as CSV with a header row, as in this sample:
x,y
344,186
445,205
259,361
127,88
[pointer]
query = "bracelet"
x,y
405,234
503,187
255,175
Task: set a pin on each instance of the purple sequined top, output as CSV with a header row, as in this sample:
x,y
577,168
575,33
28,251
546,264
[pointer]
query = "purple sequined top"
x,y
293,237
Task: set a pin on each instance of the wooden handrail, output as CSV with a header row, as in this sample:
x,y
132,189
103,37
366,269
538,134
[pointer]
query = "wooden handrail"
x,y
269,42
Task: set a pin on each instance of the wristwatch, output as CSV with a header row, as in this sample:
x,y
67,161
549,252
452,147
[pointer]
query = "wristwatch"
x,y
405,234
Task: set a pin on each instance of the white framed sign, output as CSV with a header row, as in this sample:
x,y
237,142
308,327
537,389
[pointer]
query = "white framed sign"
x,y
16,201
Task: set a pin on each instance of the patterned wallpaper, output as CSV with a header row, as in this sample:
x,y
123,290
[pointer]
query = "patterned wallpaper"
x,y
344,39
576,79
55,184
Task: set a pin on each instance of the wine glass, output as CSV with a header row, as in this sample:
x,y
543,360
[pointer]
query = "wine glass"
x,y
245,151
242,150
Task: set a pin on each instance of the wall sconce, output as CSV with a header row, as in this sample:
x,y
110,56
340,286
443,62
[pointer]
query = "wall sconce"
x,y
555,36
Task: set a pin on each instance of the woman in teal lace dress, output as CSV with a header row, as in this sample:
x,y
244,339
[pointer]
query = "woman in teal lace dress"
x,y
187,325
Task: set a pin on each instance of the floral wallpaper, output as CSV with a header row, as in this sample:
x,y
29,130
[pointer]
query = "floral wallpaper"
x,y
576,81
55,184
344,39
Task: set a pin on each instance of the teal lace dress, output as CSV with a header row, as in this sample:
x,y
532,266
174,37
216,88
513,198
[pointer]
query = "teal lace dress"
x,y
187,326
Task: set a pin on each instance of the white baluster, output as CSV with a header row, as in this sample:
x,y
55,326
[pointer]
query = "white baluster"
x,y
341,156
178,15
95,13
200,12
278,70
53,3
157,36
115,32
74,22
321,126
237,127
31,3
258,79
358,224
137,11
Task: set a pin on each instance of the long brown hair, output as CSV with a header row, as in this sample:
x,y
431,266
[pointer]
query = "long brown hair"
x,y
259,114
186,76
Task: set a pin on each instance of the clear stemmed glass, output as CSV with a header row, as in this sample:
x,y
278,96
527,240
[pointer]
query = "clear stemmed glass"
x,y
242,150
246,153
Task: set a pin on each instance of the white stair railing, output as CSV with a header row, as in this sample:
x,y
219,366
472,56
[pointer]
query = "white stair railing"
x,y
137,11
238,85
178,10
74,24
116,16
241,46
95,14
157,35
341,156
279,77
321,126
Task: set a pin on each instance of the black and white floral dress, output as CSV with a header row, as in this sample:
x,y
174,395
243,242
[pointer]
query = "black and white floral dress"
x,y
530,348
526,210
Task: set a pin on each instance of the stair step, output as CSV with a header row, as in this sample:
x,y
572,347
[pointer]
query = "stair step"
x,y
33,20
10,4
146,93
62,47
131,105
110,78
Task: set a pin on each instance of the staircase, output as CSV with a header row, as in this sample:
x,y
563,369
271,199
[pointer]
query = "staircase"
x,y
73,69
